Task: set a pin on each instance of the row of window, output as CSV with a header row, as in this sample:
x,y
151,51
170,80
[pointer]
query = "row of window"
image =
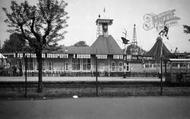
x,y
174,65
150,65
76,64
115,67
180,65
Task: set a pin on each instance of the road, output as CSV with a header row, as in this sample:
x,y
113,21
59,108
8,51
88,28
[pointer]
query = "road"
x,y
59,79
98,108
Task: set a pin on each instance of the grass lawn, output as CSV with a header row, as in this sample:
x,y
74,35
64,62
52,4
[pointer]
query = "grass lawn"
x,y
90,91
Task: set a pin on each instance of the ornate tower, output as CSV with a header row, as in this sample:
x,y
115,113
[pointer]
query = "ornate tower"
x,y
134,49
134,42
102,26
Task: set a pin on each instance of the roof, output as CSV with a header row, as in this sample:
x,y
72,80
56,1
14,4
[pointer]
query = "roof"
x,y
155,51
75,50
78,50
109,21
105,45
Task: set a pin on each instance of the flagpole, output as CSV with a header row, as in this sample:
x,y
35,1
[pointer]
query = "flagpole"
x,y
161,56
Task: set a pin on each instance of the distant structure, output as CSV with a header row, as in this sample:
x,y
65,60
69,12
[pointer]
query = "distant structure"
x,y
134,42
134,48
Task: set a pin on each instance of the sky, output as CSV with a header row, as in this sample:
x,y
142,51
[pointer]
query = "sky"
x,y
125,13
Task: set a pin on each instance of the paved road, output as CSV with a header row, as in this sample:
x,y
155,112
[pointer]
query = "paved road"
x,y
98,108
8,79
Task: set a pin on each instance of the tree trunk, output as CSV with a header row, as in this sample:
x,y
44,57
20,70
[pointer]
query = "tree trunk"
x,y
39,60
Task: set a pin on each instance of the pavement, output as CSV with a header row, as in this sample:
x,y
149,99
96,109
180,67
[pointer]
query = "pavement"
x,y
98,108
60,79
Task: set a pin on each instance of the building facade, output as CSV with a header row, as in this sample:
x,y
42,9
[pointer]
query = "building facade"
x,y
103,56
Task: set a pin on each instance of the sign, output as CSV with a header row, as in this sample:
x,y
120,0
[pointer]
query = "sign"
x,y
158,22
117,56
83,56
101,56
50,55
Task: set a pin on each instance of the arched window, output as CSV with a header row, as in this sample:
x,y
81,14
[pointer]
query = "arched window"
x,y
120,66
75,64
50,65
86,64
113,66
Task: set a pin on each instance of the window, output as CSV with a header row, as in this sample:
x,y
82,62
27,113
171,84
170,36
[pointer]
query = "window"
x,y
127,66
148,65
182,65
66,66
120,66
113,66
76,64
154,65
175,65
86,64
50,65
30,64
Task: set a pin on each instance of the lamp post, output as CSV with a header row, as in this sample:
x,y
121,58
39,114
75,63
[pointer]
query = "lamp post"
x,y
96,62
161,80
125,42
26,68
163,33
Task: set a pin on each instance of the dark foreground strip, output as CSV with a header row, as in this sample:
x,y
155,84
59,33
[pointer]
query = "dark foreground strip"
x,y
89,84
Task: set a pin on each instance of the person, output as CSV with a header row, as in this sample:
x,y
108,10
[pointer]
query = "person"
x,y
164,32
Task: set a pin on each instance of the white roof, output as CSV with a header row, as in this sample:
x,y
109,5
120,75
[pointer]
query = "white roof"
x,y
180,60
1,56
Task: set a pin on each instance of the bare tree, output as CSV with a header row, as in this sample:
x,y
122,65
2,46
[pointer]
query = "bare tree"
x,y
15,43
81,44
186,29
42,25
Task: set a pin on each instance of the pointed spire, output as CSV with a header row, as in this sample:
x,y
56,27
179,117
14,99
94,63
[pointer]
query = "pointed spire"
x,y
104,9
134,48
134,35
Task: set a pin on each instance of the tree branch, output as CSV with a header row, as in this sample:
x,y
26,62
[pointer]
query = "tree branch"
x,y
33,31
23,33
47,32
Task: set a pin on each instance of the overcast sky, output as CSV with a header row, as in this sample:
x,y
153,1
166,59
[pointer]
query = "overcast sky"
x,y
83,14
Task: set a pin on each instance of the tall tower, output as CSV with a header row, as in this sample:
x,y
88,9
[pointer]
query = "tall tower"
x,y
134,42
102,26
134,49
